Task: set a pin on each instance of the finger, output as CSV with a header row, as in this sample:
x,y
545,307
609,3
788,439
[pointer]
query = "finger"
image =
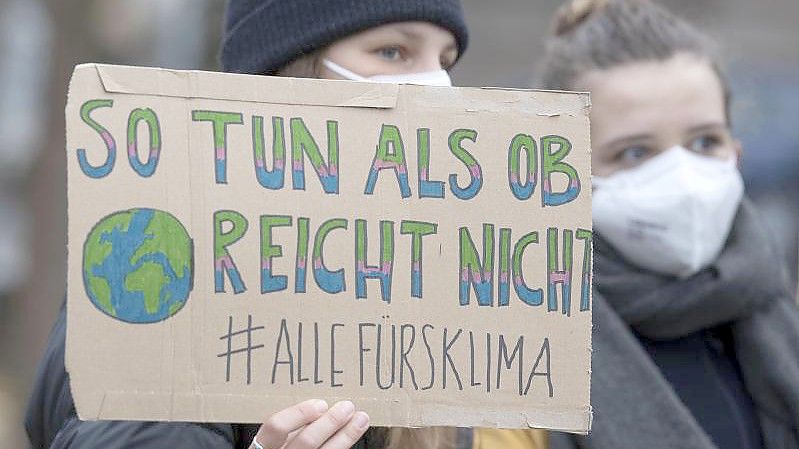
x,y
292,435
276,429
346,437
319,431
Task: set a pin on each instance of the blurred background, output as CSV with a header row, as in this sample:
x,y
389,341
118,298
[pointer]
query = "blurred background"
x,y
42,40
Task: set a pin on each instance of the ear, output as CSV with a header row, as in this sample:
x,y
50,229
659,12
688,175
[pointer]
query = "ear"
x,y
739,152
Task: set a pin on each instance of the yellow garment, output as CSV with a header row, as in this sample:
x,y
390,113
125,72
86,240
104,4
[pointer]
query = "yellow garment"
x,y
510,439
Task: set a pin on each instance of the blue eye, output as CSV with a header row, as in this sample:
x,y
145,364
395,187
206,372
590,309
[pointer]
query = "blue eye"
x,y
390,53
704,144
633,155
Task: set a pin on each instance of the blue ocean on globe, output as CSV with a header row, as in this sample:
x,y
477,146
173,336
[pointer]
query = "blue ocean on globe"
x,y
137,265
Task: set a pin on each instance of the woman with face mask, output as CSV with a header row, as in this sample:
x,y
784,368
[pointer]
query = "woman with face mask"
x,y
696,341
388,41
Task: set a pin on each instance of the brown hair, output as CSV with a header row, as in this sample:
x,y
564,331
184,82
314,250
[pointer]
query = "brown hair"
x,y
428,438
592,35
306,66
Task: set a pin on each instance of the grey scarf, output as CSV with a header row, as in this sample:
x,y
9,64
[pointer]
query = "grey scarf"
x,y
634,405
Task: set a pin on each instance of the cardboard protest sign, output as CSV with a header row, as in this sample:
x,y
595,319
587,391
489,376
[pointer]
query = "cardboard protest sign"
x,y
240,243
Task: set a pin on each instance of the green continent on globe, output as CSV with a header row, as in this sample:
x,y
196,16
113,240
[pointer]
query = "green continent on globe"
x,y
138,265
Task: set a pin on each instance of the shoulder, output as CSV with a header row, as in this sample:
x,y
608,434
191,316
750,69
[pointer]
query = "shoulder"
x,y
52,422
50,404
140,435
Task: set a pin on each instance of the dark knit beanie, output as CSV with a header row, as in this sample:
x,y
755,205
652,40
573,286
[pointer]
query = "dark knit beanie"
x,y
262,36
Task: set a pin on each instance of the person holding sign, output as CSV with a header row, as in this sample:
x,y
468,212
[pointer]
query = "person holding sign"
x,y
396,41
696,336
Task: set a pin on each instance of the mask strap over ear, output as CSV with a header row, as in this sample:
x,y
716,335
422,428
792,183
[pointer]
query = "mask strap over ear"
x,y
341,71
434,78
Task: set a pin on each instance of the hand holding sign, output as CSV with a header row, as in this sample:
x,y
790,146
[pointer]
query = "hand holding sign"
x,y
311,425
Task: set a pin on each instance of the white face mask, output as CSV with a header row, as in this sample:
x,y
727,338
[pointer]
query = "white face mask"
x,y
672,214
434,78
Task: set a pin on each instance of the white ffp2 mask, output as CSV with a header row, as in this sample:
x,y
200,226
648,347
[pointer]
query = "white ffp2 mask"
x,y
434,78
672,214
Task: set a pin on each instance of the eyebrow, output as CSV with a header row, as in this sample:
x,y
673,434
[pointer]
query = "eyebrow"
x,y
629,139
713,126
417,37
409,34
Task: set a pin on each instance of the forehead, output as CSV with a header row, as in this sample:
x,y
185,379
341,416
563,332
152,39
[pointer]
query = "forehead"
x,y
641,98
416,30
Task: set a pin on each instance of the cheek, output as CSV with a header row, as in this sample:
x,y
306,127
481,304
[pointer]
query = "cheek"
x,y
351,57
602,170
366,63
729,152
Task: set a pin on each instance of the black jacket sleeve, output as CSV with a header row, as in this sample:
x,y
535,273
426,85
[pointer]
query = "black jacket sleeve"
x,y
52,422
